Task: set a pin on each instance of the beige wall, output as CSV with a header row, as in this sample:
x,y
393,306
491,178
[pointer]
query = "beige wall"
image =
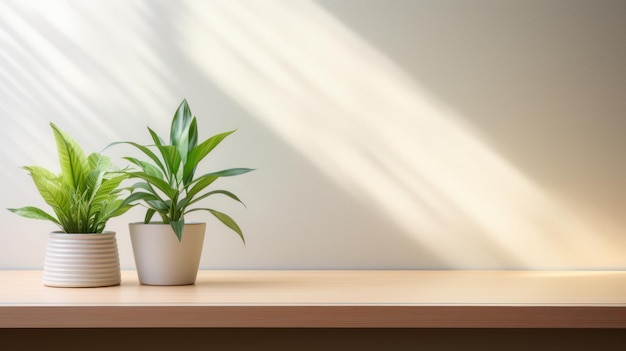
x,y
387,134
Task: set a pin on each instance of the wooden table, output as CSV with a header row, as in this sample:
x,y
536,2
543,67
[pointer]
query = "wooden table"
x,y
326,299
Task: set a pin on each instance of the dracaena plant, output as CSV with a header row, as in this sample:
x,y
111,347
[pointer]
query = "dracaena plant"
x,y
84,195
168,183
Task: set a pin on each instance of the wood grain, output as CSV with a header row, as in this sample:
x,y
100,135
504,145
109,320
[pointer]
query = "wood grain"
x,y
326,299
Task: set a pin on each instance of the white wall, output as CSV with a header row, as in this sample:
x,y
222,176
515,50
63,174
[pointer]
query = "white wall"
x,y
386,134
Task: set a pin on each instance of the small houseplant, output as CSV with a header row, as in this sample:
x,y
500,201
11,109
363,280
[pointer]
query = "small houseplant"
x,y
83,197
168,251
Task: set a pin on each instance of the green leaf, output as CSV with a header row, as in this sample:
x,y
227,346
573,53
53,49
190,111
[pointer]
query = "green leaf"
x,y
160,184
118,210
158,205
223,173
141,196
52,190
225,219
193,137
109,186
156,138
200,184
73,161
149,213
147,167
178,227
107,209
231,172
98,161
205,180
94,182
145,150
172,160
200,152
185,141
145,186
84,196
46,182
180,124
34,213
223,192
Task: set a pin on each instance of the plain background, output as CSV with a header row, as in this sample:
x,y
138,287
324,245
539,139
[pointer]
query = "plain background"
x,y
386,134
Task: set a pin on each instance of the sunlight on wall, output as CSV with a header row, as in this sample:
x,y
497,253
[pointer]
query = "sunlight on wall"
x,y
358,117
80,65
340,103
66,61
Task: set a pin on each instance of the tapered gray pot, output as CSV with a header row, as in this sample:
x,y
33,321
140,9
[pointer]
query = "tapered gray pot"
x,y
161,259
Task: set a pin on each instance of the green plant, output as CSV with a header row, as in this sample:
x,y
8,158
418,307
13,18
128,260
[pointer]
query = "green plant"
x,y
84,196
169,186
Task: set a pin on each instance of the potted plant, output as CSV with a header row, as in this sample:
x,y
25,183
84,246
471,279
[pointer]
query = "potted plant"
x,y
168,251
83,197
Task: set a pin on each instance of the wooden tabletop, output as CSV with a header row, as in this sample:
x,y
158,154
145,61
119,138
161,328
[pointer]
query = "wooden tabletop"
x,y
382,299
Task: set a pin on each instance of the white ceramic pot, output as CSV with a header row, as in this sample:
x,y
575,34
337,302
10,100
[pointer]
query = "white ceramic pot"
x,y
161,259
81,260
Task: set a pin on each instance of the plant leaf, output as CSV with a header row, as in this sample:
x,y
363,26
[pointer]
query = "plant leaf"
x,y
145,150
193,137
98,161
72,159
158,205
53,191
200,152
225,219
149,213
207,179
178,227
179,130
203,196
172,158
146,167
34,213
141,196
46,183
200,184
84,196
156,138
159,183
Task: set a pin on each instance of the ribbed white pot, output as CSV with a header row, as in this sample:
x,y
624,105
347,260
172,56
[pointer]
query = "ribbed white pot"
x,y
81,260
161,259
